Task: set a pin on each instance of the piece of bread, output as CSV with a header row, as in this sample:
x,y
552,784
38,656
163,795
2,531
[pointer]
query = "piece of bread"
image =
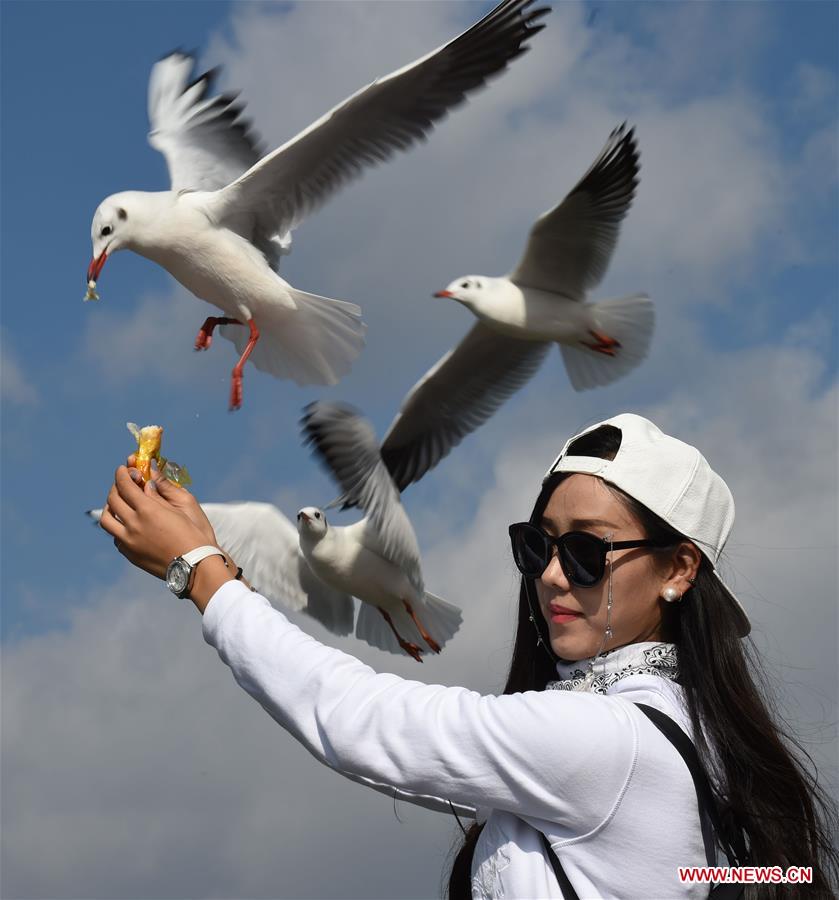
x,y
149,440
148,447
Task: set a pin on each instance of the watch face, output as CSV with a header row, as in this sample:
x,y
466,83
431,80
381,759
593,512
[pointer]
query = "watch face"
x,y
177,577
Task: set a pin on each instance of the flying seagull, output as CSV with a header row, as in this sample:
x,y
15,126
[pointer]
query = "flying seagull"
x,y
376,559
520,316
264,542
222,227
317,569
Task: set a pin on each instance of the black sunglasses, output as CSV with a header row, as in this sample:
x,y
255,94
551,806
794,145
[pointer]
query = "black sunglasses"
x,y
581,555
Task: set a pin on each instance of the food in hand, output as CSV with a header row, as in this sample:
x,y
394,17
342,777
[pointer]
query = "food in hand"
x,y
148,447
149,440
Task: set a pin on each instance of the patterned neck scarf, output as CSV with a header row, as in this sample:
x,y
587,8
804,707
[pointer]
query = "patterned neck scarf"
x,y
598,675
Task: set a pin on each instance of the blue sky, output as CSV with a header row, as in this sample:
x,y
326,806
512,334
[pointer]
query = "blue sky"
x,y
733,234
74,82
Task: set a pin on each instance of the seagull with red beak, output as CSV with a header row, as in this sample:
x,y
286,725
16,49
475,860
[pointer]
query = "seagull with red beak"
x,y
542,303
225,223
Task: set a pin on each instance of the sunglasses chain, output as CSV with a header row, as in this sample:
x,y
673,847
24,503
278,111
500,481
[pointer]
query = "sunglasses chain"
x,y
540,641
607,633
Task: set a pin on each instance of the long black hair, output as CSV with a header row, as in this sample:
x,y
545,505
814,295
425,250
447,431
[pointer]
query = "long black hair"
x,y
766,782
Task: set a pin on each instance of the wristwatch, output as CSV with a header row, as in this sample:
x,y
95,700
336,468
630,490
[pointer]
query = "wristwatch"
x,y
181,571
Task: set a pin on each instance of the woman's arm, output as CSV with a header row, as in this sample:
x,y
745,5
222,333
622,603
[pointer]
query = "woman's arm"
x,y
154,522
554,755
150,521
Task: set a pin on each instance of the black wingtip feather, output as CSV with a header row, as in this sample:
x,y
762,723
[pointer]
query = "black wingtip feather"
x,y
223,107
331,449
206,80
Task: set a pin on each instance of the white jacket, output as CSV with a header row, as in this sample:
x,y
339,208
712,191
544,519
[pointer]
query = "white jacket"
x,y
613,796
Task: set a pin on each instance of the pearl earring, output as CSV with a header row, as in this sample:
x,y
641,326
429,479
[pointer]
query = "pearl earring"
x,y
671,595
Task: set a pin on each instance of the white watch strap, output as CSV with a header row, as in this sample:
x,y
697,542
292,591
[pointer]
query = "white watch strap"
x,y
195,556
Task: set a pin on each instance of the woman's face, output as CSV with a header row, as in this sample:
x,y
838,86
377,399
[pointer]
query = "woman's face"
x,y
576,616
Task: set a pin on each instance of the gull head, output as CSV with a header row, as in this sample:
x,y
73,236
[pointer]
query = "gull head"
x,y
311,522
470,290
114,227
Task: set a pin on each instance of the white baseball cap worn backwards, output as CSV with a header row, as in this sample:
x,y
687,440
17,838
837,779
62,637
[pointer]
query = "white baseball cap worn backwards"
x,y
672,479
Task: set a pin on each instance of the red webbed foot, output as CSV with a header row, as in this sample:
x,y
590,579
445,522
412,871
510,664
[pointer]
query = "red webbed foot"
x,y
604,344
204,338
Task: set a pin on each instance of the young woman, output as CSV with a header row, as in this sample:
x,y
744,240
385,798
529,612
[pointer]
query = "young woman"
x,y
577,790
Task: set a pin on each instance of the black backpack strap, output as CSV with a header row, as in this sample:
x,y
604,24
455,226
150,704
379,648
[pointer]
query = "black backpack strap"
x,y
568,892
734,845
686,749
732,842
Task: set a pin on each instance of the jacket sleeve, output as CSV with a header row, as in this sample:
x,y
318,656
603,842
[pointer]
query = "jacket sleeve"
x,y
556,755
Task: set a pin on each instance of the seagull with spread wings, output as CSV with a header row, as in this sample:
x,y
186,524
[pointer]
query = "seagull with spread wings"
x,y
222,227
376,559
520,316
318,568
264,542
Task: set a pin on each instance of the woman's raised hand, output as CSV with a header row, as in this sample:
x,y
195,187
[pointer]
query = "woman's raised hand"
x,y
149,525
177,497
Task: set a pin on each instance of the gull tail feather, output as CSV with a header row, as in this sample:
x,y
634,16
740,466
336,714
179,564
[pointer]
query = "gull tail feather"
x,y
316,343
440,618
373,630
627,320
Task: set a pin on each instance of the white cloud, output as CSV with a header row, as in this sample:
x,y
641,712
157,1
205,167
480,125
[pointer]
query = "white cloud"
x,y
15,385
813,88
696,42
154,341
134,758
132,755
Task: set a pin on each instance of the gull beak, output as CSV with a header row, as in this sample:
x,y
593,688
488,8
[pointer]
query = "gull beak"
x,y
95,266
303,516
443,294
